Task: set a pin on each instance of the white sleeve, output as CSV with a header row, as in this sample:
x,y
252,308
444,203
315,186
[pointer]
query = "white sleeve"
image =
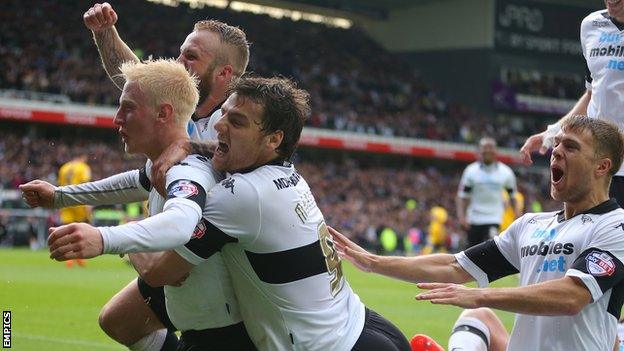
x,y
131,186
600,264
493,259
164,231
464,190
232,214
511,181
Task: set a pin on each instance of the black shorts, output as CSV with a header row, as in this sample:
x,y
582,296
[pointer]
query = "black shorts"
x,y
616,191
479,233
380,335
155,299
233,338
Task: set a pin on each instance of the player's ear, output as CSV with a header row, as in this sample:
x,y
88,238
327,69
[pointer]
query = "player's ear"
x,y
275,139
165,112
225,74
604,166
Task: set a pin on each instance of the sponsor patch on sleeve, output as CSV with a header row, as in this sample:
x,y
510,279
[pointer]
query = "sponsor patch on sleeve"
x,y
600,264
182,188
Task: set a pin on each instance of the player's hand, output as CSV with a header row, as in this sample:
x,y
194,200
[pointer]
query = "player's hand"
x,y
352,252
173,154
75,240
100,17
536,142
38,193
450,294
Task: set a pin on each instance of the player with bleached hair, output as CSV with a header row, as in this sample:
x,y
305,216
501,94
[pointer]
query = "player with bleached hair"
x,y
156,104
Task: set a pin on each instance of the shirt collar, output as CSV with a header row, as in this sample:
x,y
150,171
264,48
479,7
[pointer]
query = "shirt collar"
x,y
602,208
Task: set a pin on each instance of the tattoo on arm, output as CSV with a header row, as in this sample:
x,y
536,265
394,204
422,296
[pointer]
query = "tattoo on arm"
x,y
113,52
205,149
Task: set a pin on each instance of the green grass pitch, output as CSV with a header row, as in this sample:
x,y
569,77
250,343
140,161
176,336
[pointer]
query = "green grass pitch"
x,y
56,308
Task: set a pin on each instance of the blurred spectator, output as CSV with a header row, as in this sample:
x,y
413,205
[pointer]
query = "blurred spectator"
x,y
57,55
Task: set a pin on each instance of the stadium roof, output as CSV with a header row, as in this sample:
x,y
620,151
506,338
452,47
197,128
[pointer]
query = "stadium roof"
x,y
371,8
380,8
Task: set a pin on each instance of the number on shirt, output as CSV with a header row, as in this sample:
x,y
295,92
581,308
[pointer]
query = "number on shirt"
x,y
332,260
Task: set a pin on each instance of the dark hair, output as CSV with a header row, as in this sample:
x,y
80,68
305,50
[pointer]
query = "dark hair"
x,y
608,139
285,107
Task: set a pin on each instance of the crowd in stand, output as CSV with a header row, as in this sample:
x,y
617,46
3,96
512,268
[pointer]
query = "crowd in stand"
x,y
355,84
546,84
359,198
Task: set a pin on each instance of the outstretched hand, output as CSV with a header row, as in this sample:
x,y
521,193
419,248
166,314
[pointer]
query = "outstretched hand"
x,y
75,240
450,294
38,193
100,17
352,252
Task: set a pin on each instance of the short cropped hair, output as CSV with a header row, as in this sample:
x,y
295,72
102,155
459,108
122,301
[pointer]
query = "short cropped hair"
x,y
285,108
236,41
165,81
607,137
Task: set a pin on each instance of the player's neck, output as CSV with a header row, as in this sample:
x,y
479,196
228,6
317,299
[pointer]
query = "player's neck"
x,y
208,104
164,141
593,199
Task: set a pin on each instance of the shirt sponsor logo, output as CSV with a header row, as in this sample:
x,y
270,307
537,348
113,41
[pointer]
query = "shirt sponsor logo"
x,y
183,188
600,264
544,249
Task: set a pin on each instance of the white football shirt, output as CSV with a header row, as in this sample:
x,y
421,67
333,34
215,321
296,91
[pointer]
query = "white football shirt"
x,y
286,273
484,185
545,246
602,42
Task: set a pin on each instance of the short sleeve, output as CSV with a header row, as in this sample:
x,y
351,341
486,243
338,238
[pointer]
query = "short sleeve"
x,y
600,266
493,259
232,214
466,183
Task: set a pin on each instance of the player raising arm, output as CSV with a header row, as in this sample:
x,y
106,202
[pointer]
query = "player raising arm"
x,y
570,262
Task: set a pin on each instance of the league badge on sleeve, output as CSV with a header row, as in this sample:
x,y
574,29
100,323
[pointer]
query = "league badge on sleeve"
x,y
600,264
200,230
183,188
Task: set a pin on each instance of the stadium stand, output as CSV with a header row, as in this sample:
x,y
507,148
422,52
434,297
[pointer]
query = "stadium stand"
x,y
350,92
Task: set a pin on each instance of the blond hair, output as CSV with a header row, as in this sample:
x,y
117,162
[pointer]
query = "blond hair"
x,y
165,81
237,53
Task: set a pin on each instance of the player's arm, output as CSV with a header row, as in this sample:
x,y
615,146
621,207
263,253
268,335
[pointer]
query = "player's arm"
x,y
175,153
566,296
101,19
131,186
424,268
543,141
161,268
511,188
462,200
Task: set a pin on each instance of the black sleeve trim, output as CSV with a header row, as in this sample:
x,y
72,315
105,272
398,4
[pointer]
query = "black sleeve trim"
x,y
488,257
187,189
602,265
144,180
608,272
467,189
208,239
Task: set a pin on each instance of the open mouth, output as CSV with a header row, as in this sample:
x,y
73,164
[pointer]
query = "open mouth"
x,y
222,148
556,174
